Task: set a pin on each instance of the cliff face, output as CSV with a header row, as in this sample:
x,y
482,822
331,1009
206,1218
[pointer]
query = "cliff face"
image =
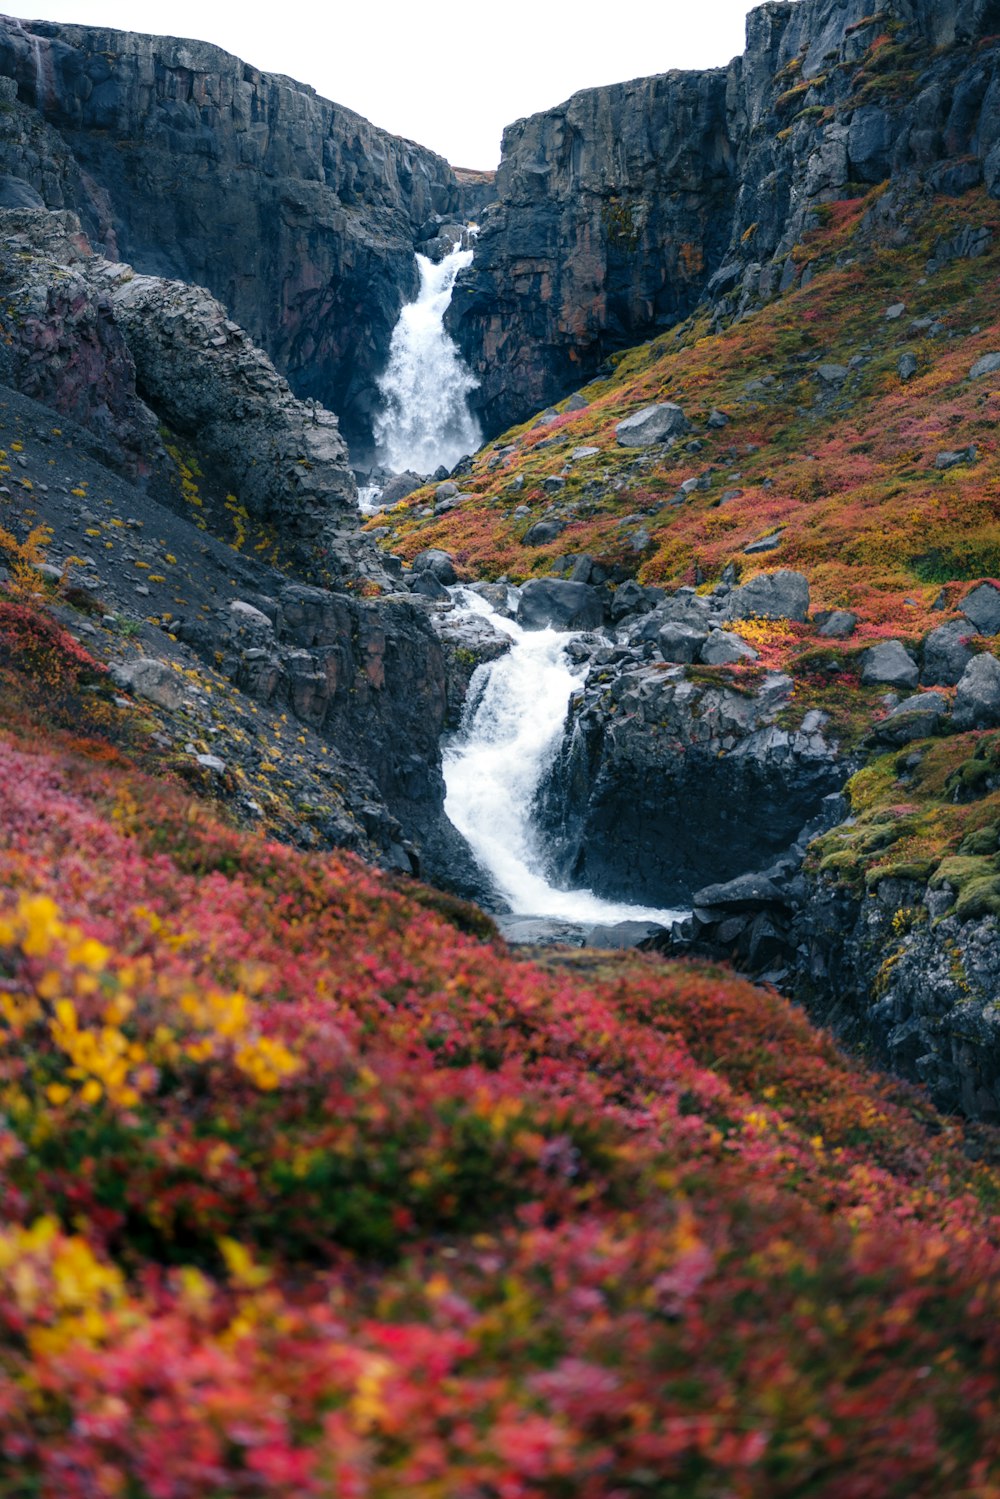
x,y
620,209
300,216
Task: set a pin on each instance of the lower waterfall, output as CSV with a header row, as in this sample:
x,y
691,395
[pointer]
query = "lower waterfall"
x,y
425,419
495,764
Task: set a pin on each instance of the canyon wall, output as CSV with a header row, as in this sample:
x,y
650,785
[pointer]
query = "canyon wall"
x,y
299,215
618,211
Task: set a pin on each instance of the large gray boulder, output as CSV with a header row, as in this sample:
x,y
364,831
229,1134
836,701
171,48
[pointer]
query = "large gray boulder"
x,y
989,364
724,649
681,642
982,607
555,603
977,701
889,664
151,679
652,424
438,562
914,718
780,595
946,654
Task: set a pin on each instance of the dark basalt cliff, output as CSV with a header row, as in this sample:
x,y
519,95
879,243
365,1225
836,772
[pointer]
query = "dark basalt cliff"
x,y
299,215
620,209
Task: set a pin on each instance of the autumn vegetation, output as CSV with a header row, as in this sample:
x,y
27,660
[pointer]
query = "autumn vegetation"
x,y
311,1187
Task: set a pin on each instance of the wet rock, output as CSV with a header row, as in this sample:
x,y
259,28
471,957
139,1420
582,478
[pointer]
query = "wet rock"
x,y
652,425
556,603
429,586
977,701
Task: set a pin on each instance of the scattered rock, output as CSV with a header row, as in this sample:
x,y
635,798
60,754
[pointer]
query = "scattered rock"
x,y
717,420
954,457
946,654
907,366
446,491
982,607
725,649
889,663
765,544
895,311
577,402
435,560
833,374
836,624
152,679
542,532
651,425
779,595
977,701
989,364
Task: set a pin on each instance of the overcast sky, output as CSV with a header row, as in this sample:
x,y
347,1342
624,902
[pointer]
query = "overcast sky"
x,y
447,76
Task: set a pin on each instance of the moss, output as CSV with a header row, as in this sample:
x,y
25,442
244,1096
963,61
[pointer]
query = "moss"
x,y
960,871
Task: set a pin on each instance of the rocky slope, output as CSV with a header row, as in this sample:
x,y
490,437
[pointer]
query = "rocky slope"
x,y
298,215
620,209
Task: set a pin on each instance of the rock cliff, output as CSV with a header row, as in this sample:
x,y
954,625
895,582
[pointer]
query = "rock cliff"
x,y
299,215
620,209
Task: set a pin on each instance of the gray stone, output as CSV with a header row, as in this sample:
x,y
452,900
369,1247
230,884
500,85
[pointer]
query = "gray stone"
x,y
748,892
907,366
446,491
651,425
429,586
889,663
837,624
212,763
717,420
977,701
982,607
779,595
946,654
989,364
895,311
955,457
915,718
542,532
833,374
725,649
152,679
435,560
681,642
553,482
584,452
577,402
765,543
559,604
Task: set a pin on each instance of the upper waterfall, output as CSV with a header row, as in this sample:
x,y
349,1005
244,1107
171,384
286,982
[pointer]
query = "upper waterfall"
x,y
425,419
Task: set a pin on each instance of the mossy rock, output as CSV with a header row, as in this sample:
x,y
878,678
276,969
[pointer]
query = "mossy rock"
x,y
917,870
981,841
979,898
961,871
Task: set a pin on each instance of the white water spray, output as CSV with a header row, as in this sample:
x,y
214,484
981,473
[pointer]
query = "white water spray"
x,y
425,420
495,765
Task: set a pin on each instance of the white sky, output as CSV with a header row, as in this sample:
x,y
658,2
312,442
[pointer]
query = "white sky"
x,y
448,77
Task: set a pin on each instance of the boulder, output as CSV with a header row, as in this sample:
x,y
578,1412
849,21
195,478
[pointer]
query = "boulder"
x,y
989,364
977,701
399,486
889,663
956,457
725,649
769,543
631,598
915,718
946,654
438,562
680,642
429,586
748,892
652,424
833,374
779,595
982,606
556,603
542,532
446,491
152,679
836,624
907,367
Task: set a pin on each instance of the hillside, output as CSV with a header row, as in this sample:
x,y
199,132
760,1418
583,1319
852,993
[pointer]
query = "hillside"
x,y
312,1187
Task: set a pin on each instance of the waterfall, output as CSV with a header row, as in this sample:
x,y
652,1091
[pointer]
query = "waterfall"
x,y
494,766
425,419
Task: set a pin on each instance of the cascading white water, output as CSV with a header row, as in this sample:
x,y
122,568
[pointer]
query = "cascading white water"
x,y
425,420
495,765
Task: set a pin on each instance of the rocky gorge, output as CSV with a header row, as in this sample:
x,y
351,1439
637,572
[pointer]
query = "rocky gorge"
x,y
732,688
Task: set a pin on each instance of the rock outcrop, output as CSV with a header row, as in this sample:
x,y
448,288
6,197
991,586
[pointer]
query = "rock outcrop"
x,y
297,214
620,209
